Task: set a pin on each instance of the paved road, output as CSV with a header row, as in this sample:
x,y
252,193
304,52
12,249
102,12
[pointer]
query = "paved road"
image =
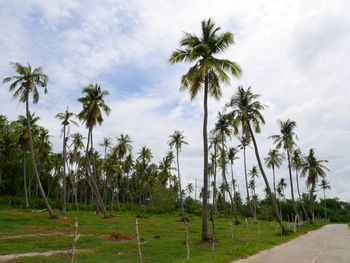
x,y
329,244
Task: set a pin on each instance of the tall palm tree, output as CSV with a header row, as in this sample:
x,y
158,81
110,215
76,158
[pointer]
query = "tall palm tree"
x,y
281,186
177,140
189,189
223,130
286,141
254,173
274,160
124,145
24,84
208,72
313,169
246,113
297,163
66,119
93,105
24,145
144,157
325,185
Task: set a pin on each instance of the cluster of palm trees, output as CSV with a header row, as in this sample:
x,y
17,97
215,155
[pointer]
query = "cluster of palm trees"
x,y
243,116
103,179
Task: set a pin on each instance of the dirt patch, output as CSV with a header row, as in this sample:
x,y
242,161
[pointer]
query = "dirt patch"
x,y
11,257
117,236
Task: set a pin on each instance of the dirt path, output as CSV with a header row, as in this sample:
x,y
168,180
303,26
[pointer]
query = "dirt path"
x,y
330,243
7,258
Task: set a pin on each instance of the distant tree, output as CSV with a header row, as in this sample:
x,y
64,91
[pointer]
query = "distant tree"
x,y
313,169
324,186
274,160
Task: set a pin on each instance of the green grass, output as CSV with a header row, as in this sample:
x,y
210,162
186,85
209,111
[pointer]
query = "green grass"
x,y
169,247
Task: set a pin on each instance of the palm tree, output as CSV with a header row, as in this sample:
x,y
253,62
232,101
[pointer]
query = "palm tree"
x,y
124,145
93,105
208,72
144,157
244,142
325,185
246,113
189,189
25,83
24,145
281,186
314,169
297,163
106,144
177,140
253,173
78,144
65,118
231,155
274,160
286,140
222,129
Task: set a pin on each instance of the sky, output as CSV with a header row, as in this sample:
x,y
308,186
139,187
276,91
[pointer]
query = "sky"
x,y
294,53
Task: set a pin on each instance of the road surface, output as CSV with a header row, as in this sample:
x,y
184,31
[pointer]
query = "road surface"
x,y
328,244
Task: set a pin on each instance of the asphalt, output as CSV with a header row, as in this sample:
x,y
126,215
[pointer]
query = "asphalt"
x,y
328,244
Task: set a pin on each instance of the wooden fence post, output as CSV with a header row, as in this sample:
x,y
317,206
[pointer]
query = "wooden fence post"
x,y
75,239
187,240
138,240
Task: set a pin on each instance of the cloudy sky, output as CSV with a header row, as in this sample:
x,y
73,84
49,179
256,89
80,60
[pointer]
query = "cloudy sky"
x,y
294,53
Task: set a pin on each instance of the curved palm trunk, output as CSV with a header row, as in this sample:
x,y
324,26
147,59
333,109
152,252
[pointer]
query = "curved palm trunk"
x,y
233,205
205,236
64,157
246,182
94,186
291,185
301,200
179,178
273,199
42,193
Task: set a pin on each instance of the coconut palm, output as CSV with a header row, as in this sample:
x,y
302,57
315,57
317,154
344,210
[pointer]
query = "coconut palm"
x,y
106,144
274,160
253,173
93,106
26,83
286,141
223,130
231,155
313,169
66,120
246,113
324,186
177,140
207,72
144,157
244,142
124,145
189,189
281,186
297,163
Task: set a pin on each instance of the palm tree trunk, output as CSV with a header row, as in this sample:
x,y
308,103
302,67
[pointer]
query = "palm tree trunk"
x,y
246,181
301,200
179,178
274,179
273,199
25,178
64,157
205,236
312,203
291,185
94,186
42,193
324,200
223,162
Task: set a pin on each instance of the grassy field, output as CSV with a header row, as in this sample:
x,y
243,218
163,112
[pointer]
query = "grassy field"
x,y
162,237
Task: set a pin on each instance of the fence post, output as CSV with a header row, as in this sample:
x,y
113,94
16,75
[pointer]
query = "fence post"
x,y
138,239
187,238
75,239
